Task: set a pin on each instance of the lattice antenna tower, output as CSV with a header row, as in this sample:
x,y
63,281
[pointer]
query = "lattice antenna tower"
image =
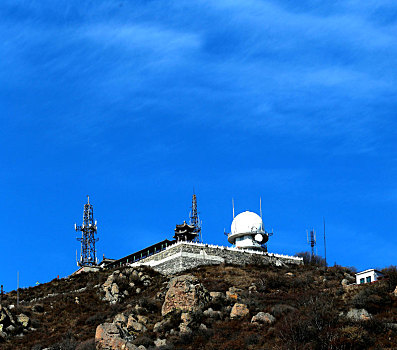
x,y
195,220
312,240
88,236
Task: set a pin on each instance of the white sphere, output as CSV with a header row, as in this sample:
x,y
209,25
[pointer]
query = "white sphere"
x,y
247,222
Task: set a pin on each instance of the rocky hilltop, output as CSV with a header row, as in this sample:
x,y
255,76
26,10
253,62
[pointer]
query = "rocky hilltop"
x,y
211,307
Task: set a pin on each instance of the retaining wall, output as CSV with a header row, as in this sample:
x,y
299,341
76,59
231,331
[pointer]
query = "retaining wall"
x,y
186,255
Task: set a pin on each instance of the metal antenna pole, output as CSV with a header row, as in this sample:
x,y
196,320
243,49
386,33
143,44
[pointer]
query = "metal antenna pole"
x,y
17,288
233,207
88,236
325,246
260,206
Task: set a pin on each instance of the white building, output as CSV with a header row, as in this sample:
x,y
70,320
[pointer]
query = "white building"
x,y
368,276
247,232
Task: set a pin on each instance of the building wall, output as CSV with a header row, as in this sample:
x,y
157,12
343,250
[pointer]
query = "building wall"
x,y
370,273
183,256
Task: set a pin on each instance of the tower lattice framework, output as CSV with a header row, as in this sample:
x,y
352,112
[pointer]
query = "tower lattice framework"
x,y
312,241
195,220
88,237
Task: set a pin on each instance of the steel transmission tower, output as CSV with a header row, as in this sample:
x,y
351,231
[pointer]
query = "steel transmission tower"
x,y
312,240
88,237
195,220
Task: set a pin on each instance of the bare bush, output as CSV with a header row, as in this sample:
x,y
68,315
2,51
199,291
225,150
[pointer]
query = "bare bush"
x,y
314,260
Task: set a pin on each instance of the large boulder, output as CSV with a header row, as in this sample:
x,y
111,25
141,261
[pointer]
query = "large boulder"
x,y
108,336
239,311
185,293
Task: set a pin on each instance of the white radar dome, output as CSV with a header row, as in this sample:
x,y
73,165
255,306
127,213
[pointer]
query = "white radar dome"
x,y
247,222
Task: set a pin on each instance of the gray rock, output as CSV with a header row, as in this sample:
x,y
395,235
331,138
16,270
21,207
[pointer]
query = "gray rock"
x,y
10,329
160,342
143,319
392,326
213,314
139,310
162,326
202,327
239,311
349,277
115,289
23,320
136,327
135,275
146,283
184,329
358,315
233,294
109,281
3,336
217,297
263,318
120,318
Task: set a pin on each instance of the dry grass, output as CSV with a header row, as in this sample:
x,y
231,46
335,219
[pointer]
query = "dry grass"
x,y
305,300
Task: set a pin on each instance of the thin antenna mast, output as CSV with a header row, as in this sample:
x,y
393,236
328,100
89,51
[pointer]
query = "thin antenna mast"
x,y
233,207
17,288
260,205
325,245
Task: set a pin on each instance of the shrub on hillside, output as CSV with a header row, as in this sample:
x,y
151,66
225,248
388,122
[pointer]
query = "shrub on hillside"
x,y
67,343
309,327
373,298
149,304
86,345
391,276
314,260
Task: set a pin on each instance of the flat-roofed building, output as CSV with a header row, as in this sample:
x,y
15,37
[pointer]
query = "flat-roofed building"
x,y
368,276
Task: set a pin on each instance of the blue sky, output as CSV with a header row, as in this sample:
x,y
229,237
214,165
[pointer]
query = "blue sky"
x,y
137,102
